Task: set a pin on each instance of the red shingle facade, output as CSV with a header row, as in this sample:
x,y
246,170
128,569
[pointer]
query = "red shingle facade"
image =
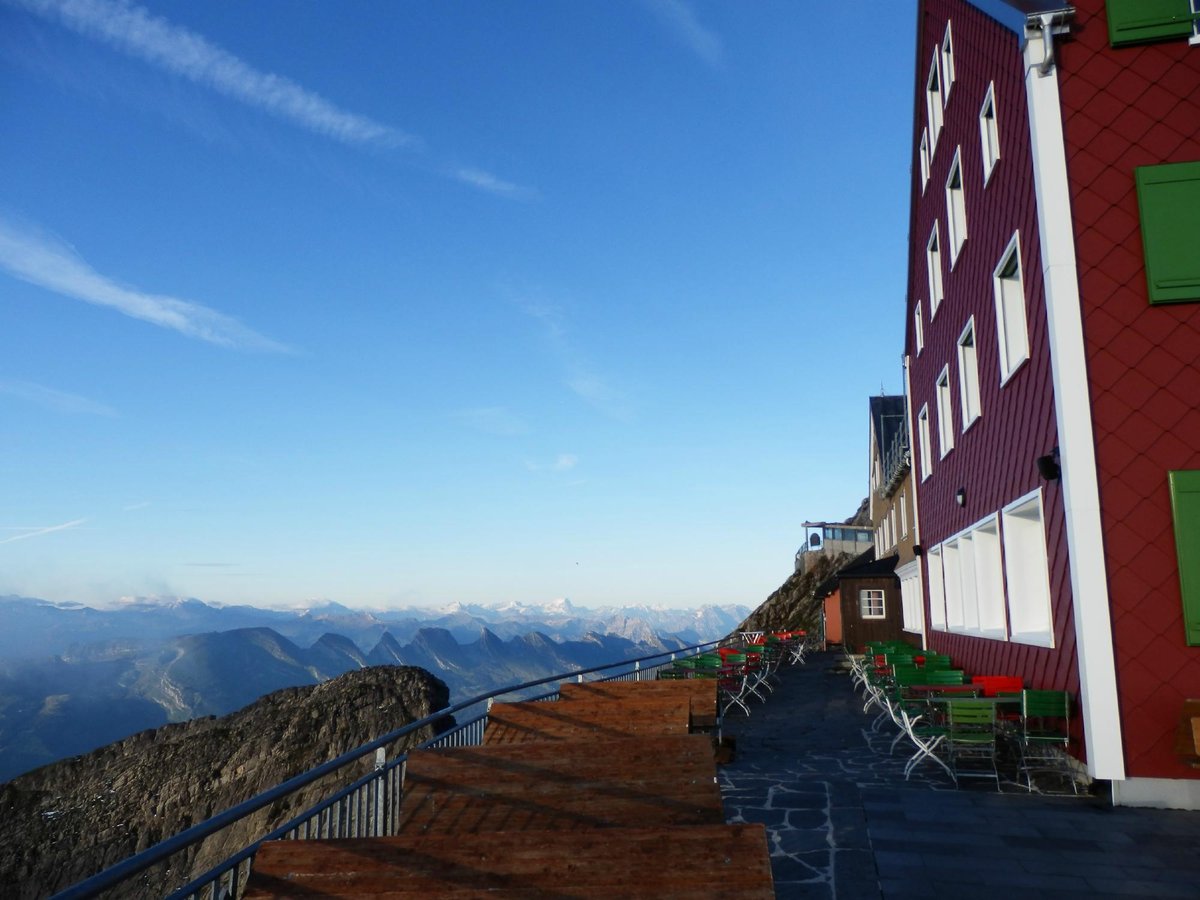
x,y
1123,108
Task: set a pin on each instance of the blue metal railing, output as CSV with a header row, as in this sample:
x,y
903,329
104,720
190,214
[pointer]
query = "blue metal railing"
x,y
367,807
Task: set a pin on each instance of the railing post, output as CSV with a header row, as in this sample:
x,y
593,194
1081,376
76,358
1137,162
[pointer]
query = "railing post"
x,y
637,670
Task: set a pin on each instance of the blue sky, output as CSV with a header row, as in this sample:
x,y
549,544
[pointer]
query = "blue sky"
x,y
406,303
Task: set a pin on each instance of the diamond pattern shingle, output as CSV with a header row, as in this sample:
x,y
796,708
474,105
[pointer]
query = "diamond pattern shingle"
x,y
1122,109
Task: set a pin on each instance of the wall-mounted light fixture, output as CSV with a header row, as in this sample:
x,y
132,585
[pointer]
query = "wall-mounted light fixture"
x,y
960,496
1048,466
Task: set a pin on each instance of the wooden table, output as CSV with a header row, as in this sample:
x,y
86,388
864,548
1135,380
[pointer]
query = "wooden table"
x,y
593,719
565,785
729,861
701,694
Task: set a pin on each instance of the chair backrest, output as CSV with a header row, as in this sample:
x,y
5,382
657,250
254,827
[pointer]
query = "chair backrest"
x,y
936,661
971,714
1046,714
995,685
943,676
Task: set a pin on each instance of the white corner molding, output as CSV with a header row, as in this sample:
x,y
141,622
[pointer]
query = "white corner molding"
x,y
1072,404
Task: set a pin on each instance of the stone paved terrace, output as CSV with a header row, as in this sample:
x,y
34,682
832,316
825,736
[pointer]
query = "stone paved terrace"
x,y
843,823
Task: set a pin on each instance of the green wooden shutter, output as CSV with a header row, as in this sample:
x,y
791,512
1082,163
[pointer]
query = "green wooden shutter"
x,y
1185,505
1169,203
1140,21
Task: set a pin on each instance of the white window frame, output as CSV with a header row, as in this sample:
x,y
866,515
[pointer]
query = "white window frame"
x,y
933,266
973,580
1012,326
866,606
1027,571
912,602
919,328
937,590
934,102
945,412
926,448
968,375
903,502
989,133
956,208
925,161
989,578
947,56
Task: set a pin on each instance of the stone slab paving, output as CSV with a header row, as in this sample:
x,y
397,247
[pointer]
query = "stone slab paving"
x,y
843,823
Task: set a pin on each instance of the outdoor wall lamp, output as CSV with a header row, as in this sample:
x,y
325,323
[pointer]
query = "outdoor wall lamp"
x,y
960,496
1048,466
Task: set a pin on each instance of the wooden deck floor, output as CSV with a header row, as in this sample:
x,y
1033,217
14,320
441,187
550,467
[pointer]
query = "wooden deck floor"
x,y
603,794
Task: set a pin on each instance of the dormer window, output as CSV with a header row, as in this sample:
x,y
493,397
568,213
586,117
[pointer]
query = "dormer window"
x,y
989,133
947,65
933,103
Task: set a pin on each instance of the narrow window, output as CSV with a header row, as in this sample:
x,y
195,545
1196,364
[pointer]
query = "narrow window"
x,y
945,413
1185,510
937,590
892,526
989,134
989,578
903,515
952,585
933,104
1027,571
923,437
947,65
933,263
919,328
924,158
966,571
910,596
968,375
1011,328
870,603
956,208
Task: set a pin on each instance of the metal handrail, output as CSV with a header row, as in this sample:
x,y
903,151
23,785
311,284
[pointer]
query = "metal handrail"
x,y
127,868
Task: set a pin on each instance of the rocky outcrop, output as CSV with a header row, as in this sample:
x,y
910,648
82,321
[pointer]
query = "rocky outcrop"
x,y
66,821
792,605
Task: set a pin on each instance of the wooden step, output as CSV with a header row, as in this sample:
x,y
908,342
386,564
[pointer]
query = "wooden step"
x,y
659,780
587,719
716,861
701,694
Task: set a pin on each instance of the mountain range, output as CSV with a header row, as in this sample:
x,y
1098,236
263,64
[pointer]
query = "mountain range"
x,y
82,678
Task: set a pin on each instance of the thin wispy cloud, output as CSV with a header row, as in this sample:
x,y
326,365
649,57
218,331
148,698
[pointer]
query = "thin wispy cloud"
x,y
185,53
564,462
48,262
679,18
180,51
32,532
59,401
486,181
580,376
496,420
136,506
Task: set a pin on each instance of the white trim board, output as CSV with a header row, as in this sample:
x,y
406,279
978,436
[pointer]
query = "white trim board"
x,y
1076,441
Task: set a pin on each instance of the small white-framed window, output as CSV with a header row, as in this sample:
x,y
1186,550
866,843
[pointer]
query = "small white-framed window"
x,y
903,515
947,65
945,413
989,133
989,578
923,439
912,604
952,585
919,328
1011,329
933,103
968,375
892,525
933,263
1027,571
956,208
937,589
924,158
870,604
